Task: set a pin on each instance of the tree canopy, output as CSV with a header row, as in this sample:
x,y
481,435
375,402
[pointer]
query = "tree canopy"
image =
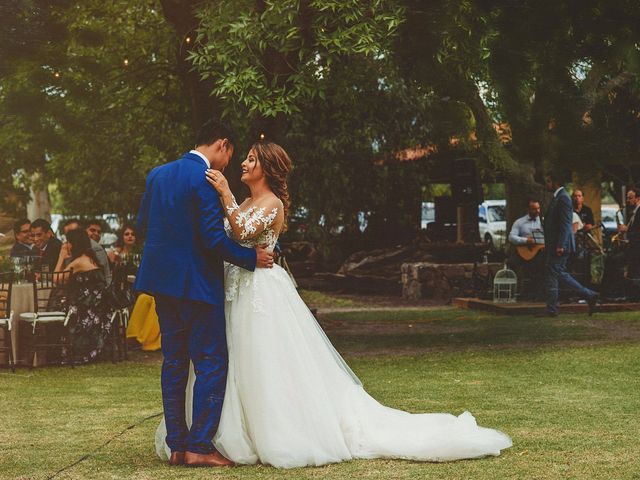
x,y
93,94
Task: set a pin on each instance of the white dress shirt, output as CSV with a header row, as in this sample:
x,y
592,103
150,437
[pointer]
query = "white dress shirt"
x,y
206,160
523,228
576,219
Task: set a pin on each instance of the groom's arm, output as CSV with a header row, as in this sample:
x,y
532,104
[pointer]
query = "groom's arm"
x,y
211,224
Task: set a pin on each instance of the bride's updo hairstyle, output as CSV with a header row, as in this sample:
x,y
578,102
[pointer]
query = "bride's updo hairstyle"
x,y
276,166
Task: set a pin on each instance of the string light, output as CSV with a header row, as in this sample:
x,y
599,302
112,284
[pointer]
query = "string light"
x,y
188,39
262,136
57,74
126,62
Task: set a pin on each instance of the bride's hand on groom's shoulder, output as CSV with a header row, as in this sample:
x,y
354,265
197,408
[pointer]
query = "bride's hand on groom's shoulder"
x,y
264,259
218,181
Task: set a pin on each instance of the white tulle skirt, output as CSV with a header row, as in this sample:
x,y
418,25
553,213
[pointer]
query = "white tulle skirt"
x,y
291,400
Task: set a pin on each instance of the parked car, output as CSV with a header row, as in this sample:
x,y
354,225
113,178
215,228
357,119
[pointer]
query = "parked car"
x,y
428,214
492,223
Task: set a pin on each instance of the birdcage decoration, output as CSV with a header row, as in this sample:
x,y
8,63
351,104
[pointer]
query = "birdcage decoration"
x,y
505,286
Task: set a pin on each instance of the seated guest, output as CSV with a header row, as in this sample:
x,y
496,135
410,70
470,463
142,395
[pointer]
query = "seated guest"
x,y
89,306
584,213
526,237
94,230
101,254
23,247
125,245
47,246
123,265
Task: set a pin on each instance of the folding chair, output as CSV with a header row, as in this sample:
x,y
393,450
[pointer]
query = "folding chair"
x,y
50,308
6,317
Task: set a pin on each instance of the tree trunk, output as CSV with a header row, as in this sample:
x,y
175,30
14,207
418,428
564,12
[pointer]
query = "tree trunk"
x,y
39,205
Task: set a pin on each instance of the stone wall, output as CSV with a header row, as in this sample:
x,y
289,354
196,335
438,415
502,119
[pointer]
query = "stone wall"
x,y
446,281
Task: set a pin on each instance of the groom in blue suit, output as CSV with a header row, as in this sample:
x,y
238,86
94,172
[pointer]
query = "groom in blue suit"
x,y
182,267
559,245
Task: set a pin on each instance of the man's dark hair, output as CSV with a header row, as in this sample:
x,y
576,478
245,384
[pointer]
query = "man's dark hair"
x,y
212,131
17,225
635,191
69,221
41,223
87,223
533,200
559,175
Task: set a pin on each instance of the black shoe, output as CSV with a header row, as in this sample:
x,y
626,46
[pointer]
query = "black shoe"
x,y
591,302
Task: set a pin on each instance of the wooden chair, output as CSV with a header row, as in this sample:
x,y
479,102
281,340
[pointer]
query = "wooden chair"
x,y
50,309
6,317
122,305
119,323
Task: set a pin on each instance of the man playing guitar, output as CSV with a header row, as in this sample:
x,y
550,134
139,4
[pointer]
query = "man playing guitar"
x,y
527,237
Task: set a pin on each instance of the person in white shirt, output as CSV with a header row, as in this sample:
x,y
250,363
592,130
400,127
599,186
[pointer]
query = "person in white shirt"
x,y
527,230
522,230
576,223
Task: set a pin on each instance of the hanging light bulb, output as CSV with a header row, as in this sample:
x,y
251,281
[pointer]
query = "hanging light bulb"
x,y
188,39
126,62
262,136
56,74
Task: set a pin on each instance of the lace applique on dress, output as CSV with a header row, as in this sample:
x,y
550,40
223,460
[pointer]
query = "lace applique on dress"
x,y
256,228
255,225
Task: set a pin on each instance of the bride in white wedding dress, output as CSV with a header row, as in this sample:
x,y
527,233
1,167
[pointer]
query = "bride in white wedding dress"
x,y
291,400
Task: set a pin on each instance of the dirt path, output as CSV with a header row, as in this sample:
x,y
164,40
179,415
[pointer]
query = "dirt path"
x,y
327,310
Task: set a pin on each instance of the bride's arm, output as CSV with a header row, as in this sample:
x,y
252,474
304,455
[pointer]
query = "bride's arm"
x,y
245,224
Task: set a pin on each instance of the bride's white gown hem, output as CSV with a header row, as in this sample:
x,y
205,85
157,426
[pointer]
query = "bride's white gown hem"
x,y
292,401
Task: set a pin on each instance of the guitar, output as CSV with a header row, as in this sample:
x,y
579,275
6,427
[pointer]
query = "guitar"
x,y
528,252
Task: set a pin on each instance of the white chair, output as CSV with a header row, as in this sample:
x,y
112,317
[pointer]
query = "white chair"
x,y
6,317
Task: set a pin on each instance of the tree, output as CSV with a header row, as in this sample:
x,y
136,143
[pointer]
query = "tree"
x,y
541,67
96,106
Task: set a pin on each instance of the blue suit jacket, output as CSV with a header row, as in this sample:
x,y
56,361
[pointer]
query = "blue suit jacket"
x,y
182,219
558,231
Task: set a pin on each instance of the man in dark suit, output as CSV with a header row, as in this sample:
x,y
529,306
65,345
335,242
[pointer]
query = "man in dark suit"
x,y
559,245
22,233
47,245
631,231
182,267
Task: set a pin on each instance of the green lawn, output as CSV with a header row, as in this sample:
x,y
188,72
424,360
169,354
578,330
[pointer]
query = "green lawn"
x,y
565,389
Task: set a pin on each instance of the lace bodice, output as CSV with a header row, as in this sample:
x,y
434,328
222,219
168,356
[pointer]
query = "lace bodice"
x,y
256,226
252,225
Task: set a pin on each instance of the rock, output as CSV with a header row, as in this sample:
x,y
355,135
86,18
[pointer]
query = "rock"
x,y
445,281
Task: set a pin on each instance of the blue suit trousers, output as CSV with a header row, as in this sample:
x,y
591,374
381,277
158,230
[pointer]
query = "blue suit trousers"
x,y
193,331
556,272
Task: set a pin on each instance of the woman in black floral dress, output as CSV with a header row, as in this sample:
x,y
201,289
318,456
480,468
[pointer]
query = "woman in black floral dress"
x,y
91,311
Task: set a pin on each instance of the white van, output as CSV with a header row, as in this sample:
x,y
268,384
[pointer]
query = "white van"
x,y
492,223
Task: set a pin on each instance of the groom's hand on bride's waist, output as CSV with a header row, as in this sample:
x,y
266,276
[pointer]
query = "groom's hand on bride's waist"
x,y
264,259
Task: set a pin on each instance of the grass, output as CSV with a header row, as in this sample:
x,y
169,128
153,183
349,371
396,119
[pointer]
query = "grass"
x,y
569,400
318,299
